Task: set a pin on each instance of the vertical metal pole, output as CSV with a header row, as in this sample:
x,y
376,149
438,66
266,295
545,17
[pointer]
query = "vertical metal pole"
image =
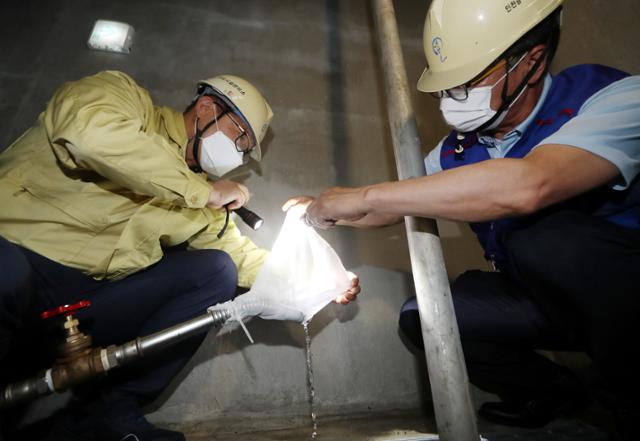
x,y
447,372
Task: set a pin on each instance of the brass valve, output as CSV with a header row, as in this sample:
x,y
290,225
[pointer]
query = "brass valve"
x,y
77,360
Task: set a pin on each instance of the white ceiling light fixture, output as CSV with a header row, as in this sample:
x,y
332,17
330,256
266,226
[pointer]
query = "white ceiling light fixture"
x,y
111,36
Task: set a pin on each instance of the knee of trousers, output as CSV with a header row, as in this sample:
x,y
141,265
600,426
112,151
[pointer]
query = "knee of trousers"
x,y
409,322
215,270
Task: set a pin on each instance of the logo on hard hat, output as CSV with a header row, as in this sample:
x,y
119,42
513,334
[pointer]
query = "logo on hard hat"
x,y
436,44
234,85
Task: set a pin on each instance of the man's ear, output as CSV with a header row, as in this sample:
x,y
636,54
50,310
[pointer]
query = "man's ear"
x,y
534,55
205,108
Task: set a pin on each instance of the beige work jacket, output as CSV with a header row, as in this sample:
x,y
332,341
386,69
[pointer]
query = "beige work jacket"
x,y
100,184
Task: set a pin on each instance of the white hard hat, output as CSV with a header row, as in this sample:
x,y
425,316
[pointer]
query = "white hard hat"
x,y
463,37
246,101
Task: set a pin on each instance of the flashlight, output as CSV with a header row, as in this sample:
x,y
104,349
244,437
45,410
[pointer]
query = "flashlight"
x,y
249,217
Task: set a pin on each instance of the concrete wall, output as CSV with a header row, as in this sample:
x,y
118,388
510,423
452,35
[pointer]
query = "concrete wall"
x,y
316,62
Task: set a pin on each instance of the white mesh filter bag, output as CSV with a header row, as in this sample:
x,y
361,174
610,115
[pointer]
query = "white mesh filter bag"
x,y
300,277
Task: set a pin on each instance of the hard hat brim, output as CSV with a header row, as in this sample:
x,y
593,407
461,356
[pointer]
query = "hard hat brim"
x,y
434,82
256,152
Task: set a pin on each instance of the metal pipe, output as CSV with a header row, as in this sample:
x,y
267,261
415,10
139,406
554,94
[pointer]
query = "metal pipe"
x,y
97,360
447,372
24,391
141,346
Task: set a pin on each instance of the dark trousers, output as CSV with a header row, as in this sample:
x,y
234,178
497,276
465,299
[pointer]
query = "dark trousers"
x,y
575,288
179,287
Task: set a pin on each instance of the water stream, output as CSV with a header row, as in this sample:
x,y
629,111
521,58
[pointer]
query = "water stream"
x,y
310,389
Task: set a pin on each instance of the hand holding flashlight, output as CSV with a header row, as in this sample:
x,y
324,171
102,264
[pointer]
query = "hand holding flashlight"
x,y
227,193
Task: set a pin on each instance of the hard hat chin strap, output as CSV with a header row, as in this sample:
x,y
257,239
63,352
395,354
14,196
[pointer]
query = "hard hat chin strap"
x,y
196,143
507,100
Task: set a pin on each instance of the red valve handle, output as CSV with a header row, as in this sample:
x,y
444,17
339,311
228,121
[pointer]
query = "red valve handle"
x,y
65,309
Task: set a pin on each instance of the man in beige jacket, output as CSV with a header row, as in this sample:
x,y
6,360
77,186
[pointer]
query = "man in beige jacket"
x,y
107,198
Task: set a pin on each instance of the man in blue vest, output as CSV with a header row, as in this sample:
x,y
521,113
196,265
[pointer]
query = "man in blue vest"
x,y
545,169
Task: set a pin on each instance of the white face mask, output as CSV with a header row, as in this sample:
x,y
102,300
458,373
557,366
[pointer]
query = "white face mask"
x,y
219,155
468,115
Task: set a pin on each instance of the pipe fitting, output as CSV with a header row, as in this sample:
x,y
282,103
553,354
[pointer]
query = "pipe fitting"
x,y
80,363
70,372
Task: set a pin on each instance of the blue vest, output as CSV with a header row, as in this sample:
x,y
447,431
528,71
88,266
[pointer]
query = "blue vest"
x,y
569,90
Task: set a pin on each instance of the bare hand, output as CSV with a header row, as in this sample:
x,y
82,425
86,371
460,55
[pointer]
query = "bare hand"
x,y
297,206
298,201
225,192
352,293
338,203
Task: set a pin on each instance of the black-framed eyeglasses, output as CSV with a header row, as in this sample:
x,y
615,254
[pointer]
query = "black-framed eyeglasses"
x,y
243,142
461,93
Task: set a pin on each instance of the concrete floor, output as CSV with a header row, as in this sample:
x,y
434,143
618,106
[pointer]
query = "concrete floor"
x,y
387,427
589,425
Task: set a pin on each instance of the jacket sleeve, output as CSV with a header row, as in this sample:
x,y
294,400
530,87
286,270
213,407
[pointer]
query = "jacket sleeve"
x,y
247,256
101,123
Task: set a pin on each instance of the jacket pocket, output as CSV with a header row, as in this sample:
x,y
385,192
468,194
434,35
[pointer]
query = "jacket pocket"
x,y
81,215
